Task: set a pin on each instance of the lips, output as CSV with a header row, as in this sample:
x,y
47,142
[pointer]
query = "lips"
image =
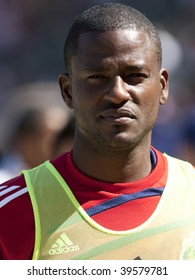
x,y
118,115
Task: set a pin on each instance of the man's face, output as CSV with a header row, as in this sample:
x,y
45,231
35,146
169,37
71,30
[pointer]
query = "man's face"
x,y
115,88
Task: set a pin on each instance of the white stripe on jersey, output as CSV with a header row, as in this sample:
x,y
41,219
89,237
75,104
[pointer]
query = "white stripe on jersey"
x,y
3,187
12,188
12,196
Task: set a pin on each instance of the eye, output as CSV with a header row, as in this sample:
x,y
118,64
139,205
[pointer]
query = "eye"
x,y
138,75
96,77
135,78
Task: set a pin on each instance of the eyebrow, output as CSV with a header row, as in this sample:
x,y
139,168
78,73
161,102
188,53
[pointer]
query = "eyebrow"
x,y
94,68
138,67
131,68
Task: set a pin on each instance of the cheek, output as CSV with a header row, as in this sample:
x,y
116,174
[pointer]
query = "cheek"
x,y
85,101
82,109
150,104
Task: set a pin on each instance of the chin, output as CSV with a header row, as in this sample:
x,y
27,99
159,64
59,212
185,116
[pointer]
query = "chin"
x,y
118,142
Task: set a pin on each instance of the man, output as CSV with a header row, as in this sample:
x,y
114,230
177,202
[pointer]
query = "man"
x,y
113,196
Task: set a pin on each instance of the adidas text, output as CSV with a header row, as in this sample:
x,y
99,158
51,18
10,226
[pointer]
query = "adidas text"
x,y
63,250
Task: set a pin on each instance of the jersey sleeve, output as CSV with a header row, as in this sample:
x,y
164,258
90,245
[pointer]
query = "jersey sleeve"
x,y
16,216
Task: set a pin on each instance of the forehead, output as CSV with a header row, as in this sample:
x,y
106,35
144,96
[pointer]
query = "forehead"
x,y
121,44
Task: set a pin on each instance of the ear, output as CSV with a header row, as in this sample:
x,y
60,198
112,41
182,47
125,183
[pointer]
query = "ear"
x,y
66,91
164,77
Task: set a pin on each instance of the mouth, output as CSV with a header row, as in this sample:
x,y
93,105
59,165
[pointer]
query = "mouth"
x,y
118,116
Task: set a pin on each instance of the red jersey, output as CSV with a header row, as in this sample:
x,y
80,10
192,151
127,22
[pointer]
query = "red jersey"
x,y
117,206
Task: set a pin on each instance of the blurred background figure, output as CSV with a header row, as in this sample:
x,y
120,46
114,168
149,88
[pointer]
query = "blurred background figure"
x,y
31,122
4,175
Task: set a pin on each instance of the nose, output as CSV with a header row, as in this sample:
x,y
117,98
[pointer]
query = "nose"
x,y
117,92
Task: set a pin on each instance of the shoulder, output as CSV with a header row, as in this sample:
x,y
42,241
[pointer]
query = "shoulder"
x,y
15,189
181,171
14,192
180,161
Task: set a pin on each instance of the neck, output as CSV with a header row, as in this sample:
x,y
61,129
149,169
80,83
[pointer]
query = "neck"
x,y
112,165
